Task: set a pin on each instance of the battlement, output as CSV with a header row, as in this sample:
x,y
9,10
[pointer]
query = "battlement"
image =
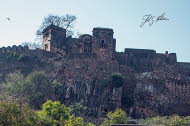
x,y
102,29
139,51
53,27
102,32
184,64
142,60
14,48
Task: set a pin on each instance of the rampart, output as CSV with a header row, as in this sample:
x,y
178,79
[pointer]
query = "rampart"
x,y
14,48
142,60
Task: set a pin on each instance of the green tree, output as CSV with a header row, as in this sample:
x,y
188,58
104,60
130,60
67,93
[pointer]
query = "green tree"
x,y
55,111
14,114
55,114
167,121
58,90
177,121
73,121
90,124
77,109
77,121
116,117
15,87
38,88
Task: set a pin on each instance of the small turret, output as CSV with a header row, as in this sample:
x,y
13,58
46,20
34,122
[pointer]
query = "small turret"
x,y
53,37
103,43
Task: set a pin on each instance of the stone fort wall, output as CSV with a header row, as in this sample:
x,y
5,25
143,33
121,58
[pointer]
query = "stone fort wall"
x,y
14,48
143,60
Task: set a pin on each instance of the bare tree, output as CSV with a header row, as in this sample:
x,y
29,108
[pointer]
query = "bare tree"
x,y
66,21
32,45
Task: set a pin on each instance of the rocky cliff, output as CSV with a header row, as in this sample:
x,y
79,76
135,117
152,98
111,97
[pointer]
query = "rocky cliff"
x,y
103,85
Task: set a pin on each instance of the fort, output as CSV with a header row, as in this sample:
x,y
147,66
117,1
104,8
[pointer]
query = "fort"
x,y
153,83
102,44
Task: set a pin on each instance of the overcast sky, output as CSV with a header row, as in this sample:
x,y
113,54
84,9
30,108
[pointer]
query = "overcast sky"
x,y
124,16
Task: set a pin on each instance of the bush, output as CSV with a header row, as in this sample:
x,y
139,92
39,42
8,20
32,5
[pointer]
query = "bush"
x,y
73,121
117,117
77,109
35,88
15,86
23,58
55,111
39,88
14,114
117,80
58,90
167,121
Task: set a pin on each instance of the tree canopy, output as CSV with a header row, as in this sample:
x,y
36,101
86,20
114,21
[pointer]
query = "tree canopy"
x,y
35,88
116,117
65,21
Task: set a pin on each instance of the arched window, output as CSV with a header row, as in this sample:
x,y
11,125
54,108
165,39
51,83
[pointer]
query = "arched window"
x,y
46,47
86,49
103,44
89,49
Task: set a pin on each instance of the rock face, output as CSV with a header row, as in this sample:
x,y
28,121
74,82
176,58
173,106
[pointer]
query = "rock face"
x,y
163,92
149,83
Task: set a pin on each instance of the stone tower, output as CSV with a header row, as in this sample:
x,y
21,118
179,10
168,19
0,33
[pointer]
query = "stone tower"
x,y
53,37
103,43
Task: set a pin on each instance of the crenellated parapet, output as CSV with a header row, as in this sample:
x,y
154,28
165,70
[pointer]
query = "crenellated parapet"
x,y
14,48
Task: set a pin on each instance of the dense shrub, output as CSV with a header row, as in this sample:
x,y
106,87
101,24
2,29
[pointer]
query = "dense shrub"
x,y
167,121
116,117
23,58
35,88
56,114
14,114
117,80
58,90
55,111
52,114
